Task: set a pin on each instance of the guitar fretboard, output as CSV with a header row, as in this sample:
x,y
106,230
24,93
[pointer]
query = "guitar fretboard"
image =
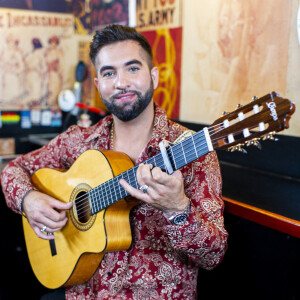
x,y
179,154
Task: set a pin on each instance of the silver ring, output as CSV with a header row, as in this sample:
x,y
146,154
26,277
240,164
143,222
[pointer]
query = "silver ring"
x,y
144,188
44,228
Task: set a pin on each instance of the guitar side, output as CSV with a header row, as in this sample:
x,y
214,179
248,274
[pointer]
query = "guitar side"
x,y
79,247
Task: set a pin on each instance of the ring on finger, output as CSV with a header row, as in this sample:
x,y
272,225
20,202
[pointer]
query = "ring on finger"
x,y
44,228
144,188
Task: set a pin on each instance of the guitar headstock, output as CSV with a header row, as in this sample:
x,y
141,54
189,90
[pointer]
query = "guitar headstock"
x,y
261,118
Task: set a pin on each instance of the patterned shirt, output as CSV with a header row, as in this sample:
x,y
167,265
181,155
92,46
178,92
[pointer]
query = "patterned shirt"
x,y
163,260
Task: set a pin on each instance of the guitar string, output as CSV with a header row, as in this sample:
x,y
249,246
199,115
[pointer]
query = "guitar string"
x,y
133,175
119,192
130,177
211,129
106,196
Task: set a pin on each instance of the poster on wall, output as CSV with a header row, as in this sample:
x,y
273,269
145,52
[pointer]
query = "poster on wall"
x,y
90,94
105,12
166,48
42,5
156,14
237,50
160,22
81,10
37,62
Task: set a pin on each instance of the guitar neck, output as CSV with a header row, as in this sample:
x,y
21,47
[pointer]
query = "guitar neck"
x,y
264,116
179,154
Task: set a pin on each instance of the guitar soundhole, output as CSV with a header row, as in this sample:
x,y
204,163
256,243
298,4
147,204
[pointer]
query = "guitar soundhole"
x,y
80,214
83,208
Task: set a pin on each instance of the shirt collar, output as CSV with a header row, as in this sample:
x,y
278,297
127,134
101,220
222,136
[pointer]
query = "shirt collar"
x,y
160,129
102,128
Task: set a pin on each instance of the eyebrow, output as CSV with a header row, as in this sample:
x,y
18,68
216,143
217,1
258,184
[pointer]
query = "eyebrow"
x,y
133,62
104,68
128,63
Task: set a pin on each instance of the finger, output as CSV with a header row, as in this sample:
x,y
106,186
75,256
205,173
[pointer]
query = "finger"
x,y
43,235
177,174
159,176
58,210
144,173
132,191
51,225
59,205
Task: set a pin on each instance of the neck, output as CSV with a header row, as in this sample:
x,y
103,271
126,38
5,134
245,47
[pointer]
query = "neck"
x,y
132,136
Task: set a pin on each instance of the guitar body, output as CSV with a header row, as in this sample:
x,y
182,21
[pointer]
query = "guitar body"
x,y
75,253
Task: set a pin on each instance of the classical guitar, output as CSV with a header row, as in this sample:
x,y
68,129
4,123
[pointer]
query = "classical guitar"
x,y
99,219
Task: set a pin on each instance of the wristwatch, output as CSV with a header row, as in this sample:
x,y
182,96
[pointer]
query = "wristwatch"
x,y
179,218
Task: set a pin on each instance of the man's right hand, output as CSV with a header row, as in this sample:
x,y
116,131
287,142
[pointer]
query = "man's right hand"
x,y
43,210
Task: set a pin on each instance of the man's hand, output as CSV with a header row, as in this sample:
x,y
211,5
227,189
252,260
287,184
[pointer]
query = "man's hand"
x,y
42,210
165,192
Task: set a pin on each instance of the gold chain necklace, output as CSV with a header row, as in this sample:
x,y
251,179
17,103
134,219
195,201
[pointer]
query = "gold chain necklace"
x,y
112,129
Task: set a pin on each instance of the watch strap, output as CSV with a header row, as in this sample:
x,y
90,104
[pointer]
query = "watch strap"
x,y
179,218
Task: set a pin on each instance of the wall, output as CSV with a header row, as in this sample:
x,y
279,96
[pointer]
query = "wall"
x,y
234,50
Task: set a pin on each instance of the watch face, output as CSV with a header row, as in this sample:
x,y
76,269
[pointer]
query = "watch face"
x,y
180,219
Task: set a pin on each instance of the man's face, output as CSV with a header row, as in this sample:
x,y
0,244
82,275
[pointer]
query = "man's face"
x,y
124,80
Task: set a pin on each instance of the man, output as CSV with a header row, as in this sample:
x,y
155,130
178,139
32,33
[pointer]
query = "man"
x,y
165,255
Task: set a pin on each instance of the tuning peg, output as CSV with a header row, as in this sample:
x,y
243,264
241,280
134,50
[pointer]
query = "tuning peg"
x,y
238,148
254,142
270,136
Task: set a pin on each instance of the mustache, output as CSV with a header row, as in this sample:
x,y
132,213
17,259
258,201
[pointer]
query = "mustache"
x,y
125,91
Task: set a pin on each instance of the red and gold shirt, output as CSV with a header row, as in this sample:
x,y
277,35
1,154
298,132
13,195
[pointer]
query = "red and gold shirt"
x,y
163,261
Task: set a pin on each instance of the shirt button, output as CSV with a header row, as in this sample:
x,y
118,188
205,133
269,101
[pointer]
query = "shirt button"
x,y
109,274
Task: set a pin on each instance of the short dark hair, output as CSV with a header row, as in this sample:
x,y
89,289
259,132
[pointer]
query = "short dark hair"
x,y
117,33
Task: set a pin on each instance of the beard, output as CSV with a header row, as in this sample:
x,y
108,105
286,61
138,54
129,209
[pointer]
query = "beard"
x,y
129,111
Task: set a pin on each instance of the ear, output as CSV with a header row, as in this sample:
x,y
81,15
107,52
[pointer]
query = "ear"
x,y
155,76
96,82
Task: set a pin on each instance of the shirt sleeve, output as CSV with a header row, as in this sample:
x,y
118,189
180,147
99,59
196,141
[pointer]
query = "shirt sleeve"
x,y
203,238
16,176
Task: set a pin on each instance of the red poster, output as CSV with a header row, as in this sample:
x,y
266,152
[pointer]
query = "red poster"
x,y
166,46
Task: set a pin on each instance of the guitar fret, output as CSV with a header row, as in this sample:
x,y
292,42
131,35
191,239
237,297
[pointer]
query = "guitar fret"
x,y
180,155
194,144
105,198
118,190
114,189
202,145
183,153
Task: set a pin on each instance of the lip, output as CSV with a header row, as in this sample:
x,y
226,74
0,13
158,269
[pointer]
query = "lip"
x,y
124,97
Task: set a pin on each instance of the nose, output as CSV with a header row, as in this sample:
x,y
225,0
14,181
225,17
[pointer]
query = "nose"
x,y
122,81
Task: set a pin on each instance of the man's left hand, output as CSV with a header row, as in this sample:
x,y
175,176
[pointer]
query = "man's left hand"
x,y
165,192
